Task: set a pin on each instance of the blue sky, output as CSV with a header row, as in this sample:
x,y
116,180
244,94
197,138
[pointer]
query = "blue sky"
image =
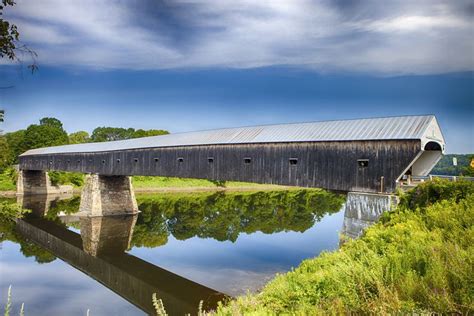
x,y
189,65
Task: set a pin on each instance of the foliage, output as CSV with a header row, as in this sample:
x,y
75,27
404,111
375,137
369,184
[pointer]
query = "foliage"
x,y
418,260
223,216
10,212
2,115
158,305
79,137
173,182
431,192
10,44
61,177
8,34
103,134
16,145
445,166
147,133
8,306
49,132
161,311
8,179
4,153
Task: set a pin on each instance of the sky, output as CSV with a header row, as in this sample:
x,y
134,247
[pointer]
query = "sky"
x,y
188,65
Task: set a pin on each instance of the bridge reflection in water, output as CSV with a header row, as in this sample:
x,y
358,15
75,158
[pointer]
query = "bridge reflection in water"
x,y
99,252
100,249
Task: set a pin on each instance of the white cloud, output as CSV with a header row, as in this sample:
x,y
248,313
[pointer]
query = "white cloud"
x,y
423,38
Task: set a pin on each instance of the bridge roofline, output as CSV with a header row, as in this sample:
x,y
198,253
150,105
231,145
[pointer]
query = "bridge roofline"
x,y
422,127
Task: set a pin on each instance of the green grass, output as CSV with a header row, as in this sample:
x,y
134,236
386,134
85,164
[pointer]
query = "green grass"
x,y
142,182
171,182
7,181
418,258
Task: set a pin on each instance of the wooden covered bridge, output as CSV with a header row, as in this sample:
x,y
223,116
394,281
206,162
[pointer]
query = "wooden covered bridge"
x,y
366,155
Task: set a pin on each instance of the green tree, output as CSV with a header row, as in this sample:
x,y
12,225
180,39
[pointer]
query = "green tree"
x,y
151,132
105,134
16,145
468,170
51,121
50,132
79,137
4,153
2,115
10,44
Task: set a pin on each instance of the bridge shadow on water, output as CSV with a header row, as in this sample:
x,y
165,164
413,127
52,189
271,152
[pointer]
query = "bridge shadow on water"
x,y
98,246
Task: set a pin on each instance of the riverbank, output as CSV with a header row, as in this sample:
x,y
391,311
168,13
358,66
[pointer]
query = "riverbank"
x,y
145,184
418,259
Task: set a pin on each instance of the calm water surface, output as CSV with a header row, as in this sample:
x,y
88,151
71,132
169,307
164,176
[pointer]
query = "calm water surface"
x,y
185,247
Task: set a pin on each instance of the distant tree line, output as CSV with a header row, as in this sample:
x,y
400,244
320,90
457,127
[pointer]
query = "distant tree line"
x,y
446,167
50,132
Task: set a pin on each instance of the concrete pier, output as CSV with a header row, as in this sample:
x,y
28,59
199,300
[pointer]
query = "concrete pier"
x,y
108,195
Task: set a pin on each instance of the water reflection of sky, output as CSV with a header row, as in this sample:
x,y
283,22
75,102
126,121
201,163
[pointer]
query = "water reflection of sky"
x,y
248,263
55,288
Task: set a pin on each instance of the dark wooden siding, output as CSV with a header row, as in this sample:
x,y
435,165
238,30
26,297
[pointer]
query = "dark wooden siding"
x,y
330,165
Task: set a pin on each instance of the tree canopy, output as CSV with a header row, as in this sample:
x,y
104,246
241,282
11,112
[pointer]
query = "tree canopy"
x,y
49,132
104,134
79,137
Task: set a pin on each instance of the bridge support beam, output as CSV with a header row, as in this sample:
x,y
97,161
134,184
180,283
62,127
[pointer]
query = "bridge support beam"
x,y
38,182
108,195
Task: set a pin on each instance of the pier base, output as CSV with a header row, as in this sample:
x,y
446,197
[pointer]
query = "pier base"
x,y
108,195
38,182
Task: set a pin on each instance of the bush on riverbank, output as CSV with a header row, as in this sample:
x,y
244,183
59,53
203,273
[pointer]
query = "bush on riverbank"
x,y
8,179
418,258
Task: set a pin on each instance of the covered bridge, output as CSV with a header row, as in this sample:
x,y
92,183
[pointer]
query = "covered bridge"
x,y
368,155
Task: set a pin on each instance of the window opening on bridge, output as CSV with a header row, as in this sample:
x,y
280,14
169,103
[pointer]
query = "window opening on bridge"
x,y
103,161
156,159
293,161
78,161
247,160
135,159
210,159
363,163
180,159
118,160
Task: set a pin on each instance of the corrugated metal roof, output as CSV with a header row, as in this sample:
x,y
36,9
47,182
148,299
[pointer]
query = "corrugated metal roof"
x,y
403,127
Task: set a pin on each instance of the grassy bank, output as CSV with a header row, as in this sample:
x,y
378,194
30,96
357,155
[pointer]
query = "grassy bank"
x,y
8,182
418,258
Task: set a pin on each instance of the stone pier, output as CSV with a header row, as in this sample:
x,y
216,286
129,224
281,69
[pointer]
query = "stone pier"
x,y
364,209
108,195
38,182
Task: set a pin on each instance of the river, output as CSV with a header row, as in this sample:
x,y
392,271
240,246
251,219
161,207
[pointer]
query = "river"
x,y
185,247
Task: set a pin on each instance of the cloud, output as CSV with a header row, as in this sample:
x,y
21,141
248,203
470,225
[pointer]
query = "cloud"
x,y
396,37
